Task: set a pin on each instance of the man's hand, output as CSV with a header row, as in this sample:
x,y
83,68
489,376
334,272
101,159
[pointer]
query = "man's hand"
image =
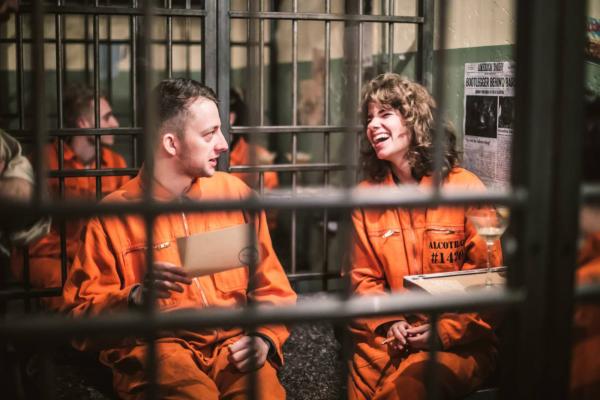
x,y
167,279
397,336
418,337
249,353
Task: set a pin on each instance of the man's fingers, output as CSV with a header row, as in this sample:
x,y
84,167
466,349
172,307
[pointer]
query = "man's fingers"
x,y
250,363
167,286
246,365
163,295
244,342
240,355
166,266
169,276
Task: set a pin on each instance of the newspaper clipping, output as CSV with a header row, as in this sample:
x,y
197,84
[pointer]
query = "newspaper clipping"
x,y
489,121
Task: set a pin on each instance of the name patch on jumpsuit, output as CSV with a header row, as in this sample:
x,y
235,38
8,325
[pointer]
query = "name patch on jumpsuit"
x,y
446,251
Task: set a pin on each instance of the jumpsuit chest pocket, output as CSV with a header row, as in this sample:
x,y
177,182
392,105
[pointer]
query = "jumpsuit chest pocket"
x,y
231,281
443,249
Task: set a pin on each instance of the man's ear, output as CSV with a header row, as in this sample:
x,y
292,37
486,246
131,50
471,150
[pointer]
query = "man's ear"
x,y
84,123
170,143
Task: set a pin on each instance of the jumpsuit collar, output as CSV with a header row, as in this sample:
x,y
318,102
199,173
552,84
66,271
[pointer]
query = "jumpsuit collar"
x,y
69,155
161,193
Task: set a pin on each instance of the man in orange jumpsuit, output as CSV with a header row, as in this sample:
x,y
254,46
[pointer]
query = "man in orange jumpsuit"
x,y
241,150
585,366
78,153
390,244
109,272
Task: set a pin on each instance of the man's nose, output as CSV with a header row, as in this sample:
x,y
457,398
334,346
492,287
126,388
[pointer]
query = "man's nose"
x,y
114,122
221,143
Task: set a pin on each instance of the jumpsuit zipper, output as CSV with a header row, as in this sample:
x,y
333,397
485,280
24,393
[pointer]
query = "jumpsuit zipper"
x,y
187,234
414,244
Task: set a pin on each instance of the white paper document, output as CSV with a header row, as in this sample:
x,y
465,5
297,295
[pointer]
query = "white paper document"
x,y
215,251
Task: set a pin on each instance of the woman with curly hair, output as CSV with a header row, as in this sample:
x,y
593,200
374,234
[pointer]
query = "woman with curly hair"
x,y
391,352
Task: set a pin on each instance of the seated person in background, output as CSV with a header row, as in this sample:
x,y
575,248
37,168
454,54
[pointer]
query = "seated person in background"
x,y
78,153
16,184
585,365
241,149
109,272
389,244
6,7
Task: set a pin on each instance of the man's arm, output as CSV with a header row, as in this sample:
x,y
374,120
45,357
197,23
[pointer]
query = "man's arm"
x,y
271,286
93,285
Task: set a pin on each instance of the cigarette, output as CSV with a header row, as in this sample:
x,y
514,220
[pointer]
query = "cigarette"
x,y
386,341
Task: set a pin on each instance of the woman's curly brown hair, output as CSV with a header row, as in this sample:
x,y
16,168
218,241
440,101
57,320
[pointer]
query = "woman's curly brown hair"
x,y
416,107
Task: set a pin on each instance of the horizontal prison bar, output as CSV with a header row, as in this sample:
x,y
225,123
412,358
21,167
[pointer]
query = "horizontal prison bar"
x,y
294,129
71,173
587,293
290,167
114,42
307,199
78,173
68,132
325,17
324,309
11,293
116,10
590,193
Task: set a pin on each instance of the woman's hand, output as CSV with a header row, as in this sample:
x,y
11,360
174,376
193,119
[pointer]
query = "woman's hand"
x,y
397,336
418,337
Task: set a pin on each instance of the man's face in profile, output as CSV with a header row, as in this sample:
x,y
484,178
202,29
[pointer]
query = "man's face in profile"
x,y
7,7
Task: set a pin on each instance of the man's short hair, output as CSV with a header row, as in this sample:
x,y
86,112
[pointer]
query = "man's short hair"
x,y
78,99
173,98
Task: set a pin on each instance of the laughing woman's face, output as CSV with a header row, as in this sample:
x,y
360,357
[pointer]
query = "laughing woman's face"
x,y
387,132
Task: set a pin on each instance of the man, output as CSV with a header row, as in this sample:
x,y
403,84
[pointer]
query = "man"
x,y
78,153
16,184
110,271
241,149
585,364
6,7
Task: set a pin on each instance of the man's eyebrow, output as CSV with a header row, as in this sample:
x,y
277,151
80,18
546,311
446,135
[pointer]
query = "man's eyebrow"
x,y
209,130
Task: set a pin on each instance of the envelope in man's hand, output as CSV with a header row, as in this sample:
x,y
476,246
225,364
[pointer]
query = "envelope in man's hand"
x,y
215,251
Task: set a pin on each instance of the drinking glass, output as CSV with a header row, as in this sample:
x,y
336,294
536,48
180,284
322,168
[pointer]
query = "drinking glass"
x,y
490,223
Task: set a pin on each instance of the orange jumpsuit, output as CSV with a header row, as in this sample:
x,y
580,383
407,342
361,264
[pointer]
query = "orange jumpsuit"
x,y
44,255
240,155
392,243
192,364
585,365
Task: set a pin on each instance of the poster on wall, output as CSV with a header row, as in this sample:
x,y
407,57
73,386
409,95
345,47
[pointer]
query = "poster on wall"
x,y
489,121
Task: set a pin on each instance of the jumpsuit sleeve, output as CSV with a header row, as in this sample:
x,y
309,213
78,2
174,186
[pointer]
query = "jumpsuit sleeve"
x,y
459,329
271,287
366,273
93,285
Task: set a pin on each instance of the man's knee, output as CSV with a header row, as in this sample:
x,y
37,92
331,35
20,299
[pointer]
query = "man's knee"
x,y
235,385
178,376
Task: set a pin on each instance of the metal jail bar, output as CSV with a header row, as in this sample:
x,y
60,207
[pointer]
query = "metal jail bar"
x,y
537,193
259,16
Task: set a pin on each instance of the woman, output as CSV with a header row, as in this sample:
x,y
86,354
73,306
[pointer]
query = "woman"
x,y
390,244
